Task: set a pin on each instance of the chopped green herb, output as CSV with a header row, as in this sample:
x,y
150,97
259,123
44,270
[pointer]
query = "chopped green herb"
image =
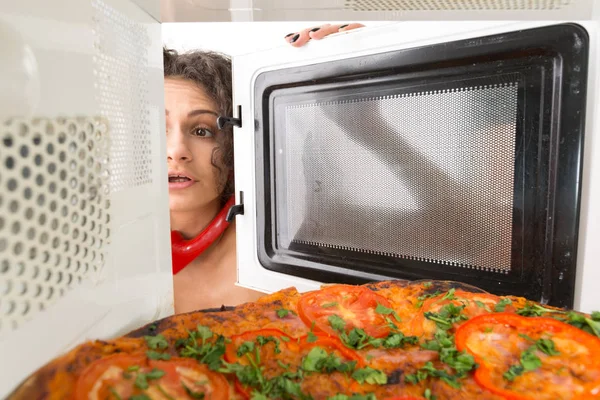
x,y
114,393
589,325
447,316
282,313
370,376
386,311
427,394
140,397
534,310
155,355
311,337
428,370
205,352
529,361
547,347
157,342
449,295
329,305
369,396
427,285
424,297
501,305
244,348
481,304
318,360
191,393
204,332
141,380
337,323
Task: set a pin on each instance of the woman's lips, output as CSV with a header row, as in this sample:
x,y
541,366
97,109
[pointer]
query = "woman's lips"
x,y
177,181
180,184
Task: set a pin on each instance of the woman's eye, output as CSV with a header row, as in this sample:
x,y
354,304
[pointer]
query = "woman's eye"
x,y
202,132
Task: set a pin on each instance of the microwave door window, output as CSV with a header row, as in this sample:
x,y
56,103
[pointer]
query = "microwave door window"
x,y
421,175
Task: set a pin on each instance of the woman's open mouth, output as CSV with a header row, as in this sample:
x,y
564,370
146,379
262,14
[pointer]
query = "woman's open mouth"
x,y
178,181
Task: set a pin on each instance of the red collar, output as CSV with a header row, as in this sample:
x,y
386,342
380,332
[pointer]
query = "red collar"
x,y
184,251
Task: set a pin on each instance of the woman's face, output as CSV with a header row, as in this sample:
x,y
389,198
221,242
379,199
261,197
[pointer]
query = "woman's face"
x,y
191,116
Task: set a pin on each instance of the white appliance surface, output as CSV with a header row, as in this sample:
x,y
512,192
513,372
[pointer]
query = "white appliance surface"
x,y
401,35
84,228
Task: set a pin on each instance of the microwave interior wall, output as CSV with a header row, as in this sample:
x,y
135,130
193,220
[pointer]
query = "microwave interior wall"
x,y
458,161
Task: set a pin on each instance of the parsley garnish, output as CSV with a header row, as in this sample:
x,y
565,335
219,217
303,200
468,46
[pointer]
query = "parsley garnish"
x,y
424,297
534,310
157,342
501,306
481,304
328,305
191,393
155,355
337,323
428,370
370,376
311,337
449,295
141,380
140,397
447,316
369,396
318,360
589,325
427,394
282,313
427,285
528,360
387,311
205,352
114,393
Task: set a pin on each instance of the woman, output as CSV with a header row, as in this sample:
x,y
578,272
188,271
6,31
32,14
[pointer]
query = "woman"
x,y
200,163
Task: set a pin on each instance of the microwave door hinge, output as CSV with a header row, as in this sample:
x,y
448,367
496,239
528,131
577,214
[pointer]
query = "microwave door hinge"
x,y
223,121
236,209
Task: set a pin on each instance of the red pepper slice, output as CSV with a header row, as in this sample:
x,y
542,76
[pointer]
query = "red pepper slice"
x,y
498,340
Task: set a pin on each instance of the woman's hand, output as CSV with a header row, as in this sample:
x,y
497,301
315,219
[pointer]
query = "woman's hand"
x,y
298,39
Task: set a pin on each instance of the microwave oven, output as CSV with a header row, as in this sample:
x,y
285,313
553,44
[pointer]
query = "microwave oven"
x,y
440,150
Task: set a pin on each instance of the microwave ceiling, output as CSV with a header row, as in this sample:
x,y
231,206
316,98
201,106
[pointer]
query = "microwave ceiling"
x,y
371,10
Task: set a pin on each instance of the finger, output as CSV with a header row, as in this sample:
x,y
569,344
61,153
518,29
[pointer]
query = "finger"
x,y
323,31
349,27
300,38
329,29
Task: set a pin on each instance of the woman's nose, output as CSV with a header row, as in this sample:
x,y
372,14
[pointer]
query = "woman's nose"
x,y
177,146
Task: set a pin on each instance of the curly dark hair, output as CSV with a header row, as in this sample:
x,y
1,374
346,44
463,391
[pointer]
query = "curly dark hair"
x,y
211,71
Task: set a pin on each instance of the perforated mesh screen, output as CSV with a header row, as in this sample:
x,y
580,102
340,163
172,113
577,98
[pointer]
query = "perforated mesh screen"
x,y
425,176
121,69
454,5
54,210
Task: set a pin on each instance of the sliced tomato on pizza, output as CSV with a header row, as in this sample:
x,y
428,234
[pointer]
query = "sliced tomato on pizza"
x,y
532,358
340,308
448,310
128,376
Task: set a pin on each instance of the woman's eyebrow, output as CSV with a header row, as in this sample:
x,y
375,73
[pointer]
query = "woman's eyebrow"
x,y
198,112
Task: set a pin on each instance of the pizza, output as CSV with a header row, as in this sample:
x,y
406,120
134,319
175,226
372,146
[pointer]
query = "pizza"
x,y
385,340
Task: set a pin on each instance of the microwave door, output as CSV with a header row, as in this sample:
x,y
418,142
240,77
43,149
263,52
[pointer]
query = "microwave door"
x,y
83,253
447,155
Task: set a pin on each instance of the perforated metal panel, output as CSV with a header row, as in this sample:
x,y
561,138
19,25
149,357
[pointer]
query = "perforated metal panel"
x,y
54,211
455,5
121,68
424,175
84,235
